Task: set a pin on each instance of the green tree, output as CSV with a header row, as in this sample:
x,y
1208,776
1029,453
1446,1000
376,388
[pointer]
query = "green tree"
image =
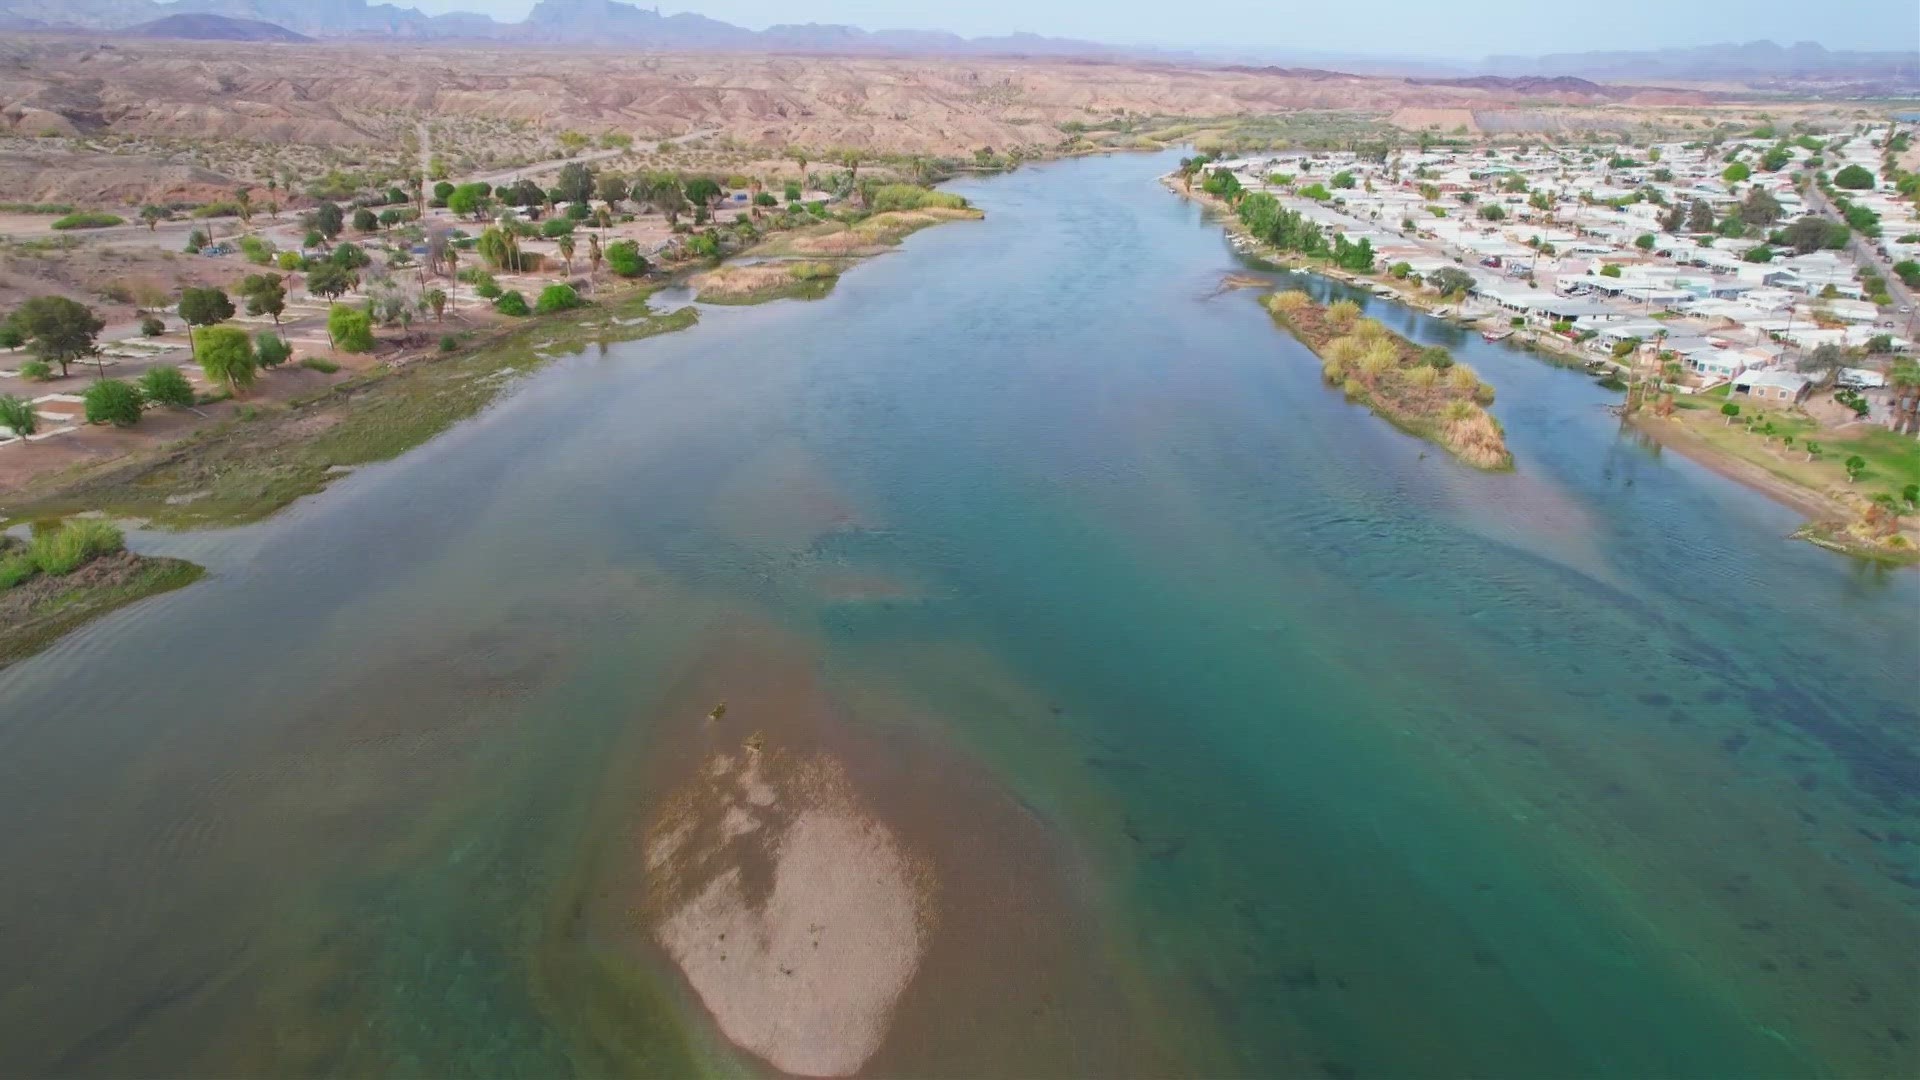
x,y
1760,209
1729,410
203,307
350,329
576,182
1341,180
442,192
58,330
1853,178
154,215
470,200
437,300
270,350
328,220
612,188
226,355
329,281
703,191
1855,466
1450,281
265,294
164,385
1700,217
365,220
17,416
511,303
1645,241
1736,172
564,247
111,401
1759,253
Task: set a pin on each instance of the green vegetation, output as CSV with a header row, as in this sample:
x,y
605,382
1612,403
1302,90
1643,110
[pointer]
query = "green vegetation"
x,y
69,575
270,349
1421,392
887,197
624,257
165,386
557,297
57,330
225,353
17,415
350,329
320,364
112,401
512,303
1852,178
89,220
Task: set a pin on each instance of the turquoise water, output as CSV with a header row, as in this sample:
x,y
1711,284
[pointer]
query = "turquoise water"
x,y
1354,762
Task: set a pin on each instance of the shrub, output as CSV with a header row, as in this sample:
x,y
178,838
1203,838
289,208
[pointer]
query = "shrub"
x,y
1342,314
16,567
350,329
556,228
624,258
152,326
226,355
1436,357
36,371
449,343
112,401
66,549
271,350
17,415
320,364
487,288
87,219
557,298
511,303
164,385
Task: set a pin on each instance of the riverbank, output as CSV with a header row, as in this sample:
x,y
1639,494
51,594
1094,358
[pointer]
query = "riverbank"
x,y
799,279
1853,518
41,598
1860,516
1420,391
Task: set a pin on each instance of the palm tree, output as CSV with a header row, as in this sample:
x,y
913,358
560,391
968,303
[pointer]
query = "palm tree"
x,y
453,277
1905,381
799,157
17,416
243,199
594,255
565,245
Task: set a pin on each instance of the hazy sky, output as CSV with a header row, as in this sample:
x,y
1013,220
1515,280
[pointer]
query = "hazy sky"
x,y
1464,28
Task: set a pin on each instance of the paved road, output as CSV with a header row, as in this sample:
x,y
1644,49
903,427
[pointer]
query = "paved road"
x,y
1866,257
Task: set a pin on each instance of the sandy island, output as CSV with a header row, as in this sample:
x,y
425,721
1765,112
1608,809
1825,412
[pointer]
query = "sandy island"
x,y
796,916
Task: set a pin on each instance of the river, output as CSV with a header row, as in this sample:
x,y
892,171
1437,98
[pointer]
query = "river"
x,y
1307,750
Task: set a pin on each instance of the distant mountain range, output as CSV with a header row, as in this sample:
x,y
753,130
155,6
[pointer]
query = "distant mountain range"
x,y
200,27
612,23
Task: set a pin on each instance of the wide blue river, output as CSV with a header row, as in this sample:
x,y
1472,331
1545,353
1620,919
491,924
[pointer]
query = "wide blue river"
x,y
1247,735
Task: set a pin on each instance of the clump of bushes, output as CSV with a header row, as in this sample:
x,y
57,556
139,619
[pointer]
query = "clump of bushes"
x,y
558,297
913,197
112,401
164,385
65,549
511,303
89,219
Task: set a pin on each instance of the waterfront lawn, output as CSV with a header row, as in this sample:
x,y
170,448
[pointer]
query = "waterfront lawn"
x,y
1893,461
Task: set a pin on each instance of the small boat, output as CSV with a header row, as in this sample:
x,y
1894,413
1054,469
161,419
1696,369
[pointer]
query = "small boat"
x,y
1496,335
1382,290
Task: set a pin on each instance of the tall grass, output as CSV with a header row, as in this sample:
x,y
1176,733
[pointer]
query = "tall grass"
x,y
66,549
913,197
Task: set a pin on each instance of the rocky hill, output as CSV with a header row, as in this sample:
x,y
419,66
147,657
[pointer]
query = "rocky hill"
x,y
213,28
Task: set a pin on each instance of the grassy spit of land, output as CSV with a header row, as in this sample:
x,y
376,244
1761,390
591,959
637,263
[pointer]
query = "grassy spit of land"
x,y
1853,482
69,574
1421,391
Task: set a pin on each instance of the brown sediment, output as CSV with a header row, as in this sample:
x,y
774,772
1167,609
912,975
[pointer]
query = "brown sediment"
x,y
843,894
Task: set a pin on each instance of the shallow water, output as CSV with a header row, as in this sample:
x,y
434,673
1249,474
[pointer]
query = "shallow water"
x,y
1357,762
